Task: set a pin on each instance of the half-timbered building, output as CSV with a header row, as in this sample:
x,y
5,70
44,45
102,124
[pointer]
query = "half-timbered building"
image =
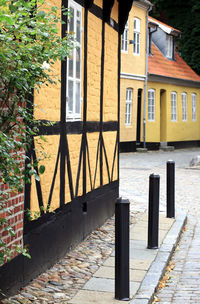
x,y
78,190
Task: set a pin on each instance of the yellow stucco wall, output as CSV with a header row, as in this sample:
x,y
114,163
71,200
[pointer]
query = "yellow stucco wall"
x,y
110,103
48,108
164,129
135,65
128,132
131,63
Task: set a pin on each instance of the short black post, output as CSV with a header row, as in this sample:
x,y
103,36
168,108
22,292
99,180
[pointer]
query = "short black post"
x,y
170,189
122,250
153,223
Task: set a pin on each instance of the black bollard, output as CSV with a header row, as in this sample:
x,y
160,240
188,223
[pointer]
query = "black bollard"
x,y
153,223
122,250
170,189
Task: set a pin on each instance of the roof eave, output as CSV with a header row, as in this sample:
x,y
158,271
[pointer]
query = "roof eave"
x,y
173,80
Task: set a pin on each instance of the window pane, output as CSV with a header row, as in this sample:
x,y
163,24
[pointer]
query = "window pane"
x,y
78,98
70,66
78,28
70,96
78,63
135,42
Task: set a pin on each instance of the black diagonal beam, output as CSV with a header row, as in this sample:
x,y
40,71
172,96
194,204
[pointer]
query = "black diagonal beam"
x,y
53,181
37,182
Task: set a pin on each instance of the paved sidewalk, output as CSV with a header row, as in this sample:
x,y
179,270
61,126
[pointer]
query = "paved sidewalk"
x,y
146,265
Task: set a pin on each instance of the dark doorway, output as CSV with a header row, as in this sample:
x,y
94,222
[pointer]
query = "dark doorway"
x,y
139,100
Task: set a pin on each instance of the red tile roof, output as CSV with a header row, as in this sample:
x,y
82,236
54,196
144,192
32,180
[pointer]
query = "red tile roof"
x,y
153,20
159,65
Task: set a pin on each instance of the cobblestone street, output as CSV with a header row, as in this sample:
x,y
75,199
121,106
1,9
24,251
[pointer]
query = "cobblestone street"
x,y
183,284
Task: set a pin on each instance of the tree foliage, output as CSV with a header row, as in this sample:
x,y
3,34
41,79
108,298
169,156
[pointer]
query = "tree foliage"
x,y
183,15
30,44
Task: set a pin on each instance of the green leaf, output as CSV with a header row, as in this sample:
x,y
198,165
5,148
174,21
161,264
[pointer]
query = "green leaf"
x,y
41,169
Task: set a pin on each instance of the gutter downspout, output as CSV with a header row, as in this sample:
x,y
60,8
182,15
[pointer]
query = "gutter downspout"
x,y
145,85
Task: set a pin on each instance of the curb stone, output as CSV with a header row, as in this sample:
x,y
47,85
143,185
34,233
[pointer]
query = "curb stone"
x,y
148,286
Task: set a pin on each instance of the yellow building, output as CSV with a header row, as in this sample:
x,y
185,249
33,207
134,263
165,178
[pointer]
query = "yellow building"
x,y
160,93
79,187
133,76
173,97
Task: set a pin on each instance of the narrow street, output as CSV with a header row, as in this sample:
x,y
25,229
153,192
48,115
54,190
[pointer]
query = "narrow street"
x,y
183,281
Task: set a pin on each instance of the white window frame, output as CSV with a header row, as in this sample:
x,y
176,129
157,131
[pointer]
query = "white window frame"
x,y
194,107
184,106
74,114
151,105
128,109
170,45
173,106
136,36
124,46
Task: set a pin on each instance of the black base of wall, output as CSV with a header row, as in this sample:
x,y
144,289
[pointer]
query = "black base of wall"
x,y
127,146
52,236
131,146
153,146
184,144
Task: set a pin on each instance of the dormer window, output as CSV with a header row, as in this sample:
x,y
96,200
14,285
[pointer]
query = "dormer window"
x,y
170,47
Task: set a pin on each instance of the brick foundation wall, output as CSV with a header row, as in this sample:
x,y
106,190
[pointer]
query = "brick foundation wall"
x,y
15,215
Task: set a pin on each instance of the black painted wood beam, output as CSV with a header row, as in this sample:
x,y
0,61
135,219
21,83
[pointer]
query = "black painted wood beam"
x,y
124,9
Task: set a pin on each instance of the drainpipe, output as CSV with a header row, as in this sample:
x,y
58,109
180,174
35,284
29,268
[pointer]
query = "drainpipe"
x,y
146,72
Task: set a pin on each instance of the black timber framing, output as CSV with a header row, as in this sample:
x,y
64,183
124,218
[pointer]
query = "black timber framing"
x,y
76,127
50,237
53,234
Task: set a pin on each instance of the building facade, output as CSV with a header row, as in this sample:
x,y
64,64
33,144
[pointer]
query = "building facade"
x,y
160,93
133,76
173,97
80,125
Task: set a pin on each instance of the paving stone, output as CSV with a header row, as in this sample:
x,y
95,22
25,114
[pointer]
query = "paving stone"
x,y
90,297
107,285
134,263
109,272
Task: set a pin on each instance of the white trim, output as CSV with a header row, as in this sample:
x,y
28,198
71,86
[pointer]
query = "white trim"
x,y
170,45
142,5
128,106
194,106
184,106
136,36
124,42
174,106
151,106
73,78
132,76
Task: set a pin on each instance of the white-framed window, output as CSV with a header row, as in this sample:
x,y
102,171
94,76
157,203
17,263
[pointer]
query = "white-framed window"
x,y
170,45
173,106
151,105
74,64
129,100
136,36
184,106
124,46
194,107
